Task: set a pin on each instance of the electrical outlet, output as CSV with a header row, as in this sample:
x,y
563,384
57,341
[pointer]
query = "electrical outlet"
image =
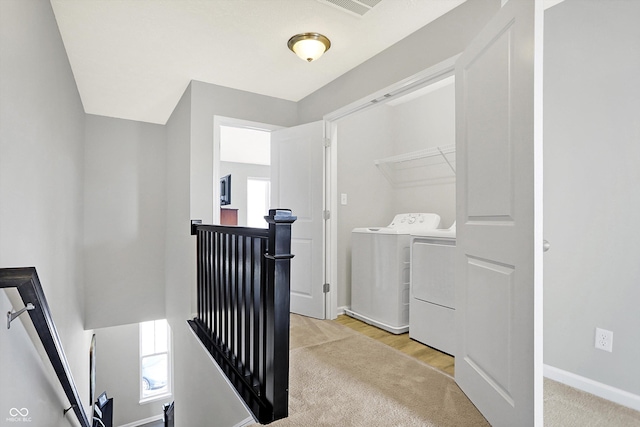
x,y
604,340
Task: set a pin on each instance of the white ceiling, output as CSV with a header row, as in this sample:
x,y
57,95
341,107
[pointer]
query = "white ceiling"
x,y
133,59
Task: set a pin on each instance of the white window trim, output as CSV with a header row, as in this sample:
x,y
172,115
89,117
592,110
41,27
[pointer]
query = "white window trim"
x,y
169,392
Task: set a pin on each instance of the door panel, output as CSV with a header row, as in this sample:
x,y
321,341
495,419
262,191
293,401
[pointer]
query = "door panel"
x,y
498,276
297,175
490,358
301,278
297,182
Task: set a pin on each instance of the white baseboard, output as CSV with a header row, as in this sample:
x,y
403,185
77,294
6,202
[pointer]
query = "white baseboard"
x,y
246,422
145,421
596,388
341,310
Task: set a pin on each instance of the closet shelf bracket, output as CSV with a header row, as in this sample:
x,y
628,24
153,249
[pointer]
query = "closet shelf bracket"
x,y
420,167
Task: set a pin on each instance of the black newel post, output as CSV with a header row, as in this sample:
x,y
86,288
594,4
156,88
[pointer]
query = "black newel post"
x,y
277,306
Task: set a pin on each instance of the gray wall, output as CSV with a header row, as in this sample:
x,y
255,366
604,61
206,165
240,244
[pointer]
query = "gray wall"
x,y
41,188
118,373
179,262
362,138
190,195
591,197
124,246
427,122
240,172
124,214
209,100
430,45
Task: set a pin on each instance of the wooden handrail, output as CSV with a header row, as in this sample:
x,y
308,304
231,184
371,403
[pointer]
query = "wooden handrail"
x,y
26,281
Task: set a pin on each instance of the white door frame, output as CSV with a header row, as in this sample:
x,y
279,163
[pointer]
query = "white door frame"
x,y
219,121
424,78
231,122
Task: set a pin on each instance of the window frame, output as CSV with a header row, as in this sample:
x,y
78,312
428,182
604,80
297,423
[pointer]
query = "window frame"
x,y
169,354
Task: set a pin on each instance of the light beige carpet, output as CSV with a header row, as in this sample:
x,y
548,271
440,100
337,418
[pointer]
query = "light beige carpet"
x,y
567,407
339,377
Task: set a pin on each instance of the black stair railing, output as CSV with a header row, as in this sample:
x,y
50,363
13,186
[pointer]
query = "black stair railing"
x,y
243,307
26,281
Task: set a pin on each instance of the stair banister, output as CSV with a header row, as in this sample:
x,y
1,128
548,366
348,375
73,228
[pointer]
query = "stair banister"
x,y
26,281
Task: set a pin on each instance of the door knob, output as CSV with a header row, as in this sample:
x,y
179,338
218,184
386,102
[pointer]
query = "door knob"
x,y
545,245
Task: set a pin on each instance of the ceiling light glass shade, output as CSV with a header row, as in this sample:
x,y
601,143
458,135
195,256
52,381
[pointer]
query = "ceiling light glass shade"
x,y
309,46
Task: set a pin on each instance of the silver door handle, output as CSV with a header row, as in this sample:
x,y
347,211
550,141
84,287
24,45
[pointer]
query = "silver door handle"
x,y
545,245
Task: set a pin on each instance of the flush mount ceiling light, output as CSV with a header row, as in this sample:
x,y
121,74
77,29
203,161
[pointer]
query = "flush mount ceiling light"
x,y
309,46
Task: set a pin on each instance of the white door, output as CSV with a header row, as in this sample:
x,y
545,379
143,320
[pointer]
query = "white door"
x,y
499,217
297,183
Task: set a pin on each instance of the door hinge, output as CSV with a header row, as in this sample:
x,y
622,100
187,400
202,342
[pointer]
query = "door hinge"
x,y
327,142
326,215
325,288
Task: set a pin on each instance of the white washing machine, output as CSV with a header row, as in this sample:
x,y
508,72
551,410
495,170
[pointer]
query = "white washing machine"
x,y
432,303
380,268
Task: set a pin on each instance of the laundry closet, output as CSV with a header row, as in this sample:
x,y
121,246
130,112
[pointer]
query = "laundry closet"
x,y
396,163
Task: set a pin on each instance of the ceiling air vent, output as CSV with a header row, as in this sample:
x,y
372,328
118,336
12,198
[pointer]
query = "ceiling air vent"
x,y
358,7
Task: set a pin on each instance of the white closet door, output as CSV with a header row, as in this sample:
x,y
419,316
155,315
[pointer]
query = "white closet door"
x,y
499,217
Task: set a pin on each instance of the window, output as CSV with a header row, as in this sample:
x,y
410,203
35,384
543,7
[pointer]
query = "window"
x,y
155,360
257,202
243,145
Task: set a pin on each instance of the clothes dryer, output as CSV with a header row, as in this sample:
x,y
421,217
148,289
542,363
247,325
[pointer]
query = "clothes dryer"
x,y
432,302
380,268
